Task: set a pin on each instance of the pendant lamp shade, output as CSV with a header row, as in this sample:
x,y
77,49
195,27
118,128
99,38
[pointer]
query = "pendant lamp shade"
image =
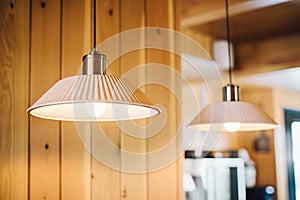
x,y
232,116
93,96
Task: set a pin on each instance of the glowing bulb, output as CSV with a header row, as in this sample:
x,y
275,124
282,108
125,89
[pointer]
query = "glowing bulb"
x,y
232,126
95,109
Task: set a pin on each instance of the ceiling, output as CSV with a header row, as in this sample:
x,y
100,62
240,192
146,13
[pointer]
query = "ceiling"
x,y
249,19
287,79
204,70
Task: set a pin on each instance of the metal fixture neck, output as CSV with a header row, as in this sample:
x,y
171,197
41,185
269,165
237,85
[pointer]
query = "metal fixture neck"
x,y
231,92
94,63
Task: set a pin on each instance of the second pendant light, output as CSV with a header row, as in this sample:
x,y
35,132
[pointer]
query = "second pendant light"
x,y
231,114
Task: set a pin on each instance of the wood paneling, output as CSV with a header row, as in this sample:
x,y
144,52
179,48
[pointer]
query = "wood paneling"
x,y
265,161
106,174
45,71
14,98
202,39
75,158
60,163
163,95
134,186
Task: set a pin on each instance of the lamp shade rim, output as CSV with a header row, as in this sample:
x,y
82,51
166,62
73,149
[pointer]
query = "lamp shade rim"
x,y
74,111
243,126
159,110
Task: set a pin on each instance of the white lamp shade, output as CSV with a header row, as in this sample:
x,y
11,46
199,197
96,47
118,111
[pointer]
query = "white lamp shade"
x,y
242,115
93,98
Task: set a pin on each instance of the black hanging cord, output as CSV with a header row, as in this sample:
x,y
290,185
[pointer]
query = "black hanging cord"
x,y
228,41
94,28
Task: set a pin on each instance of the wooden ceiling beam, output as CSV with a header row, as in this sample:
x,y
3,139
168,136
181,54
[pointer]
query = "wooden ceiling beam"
x,y
268,55
235,9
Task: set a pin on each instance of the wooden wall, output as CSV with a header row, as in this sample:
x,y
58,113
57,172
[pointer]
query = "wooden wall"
x,y
14,98
42,42
264,160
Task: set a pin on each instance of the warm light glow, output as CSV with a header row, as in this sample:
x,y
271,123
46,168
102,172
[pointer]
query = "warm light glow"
x,y
232,126
80,112
95,109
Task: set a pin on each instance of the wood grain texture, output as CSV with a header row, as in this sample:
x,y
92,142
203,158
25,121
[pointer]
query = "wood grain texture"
x,y
14,97
90,178
61,167
204,40
134,186
272,21
166,187
75,158
105,172
207,13
192,7
45,71
268,55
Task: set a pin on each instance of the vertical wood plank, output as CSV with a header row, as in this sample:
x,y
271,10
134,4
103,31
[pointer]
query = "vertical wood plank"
x,y
45,71
106,179
14,98
76,42
163,188
203,39
134,183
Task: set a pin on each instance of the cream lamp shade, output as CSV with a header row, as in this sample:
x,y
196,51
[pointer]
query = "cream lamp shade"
x,y
93,96
232,115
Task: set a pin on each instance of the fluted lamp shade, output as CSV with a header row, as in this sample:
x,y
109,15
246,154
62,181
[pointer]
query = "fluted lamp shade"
x,y
93,96
232,115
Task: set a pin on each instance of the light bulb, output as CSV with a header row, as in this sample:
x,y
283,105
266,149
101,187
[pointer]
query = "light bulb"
x,y
232,126
95,109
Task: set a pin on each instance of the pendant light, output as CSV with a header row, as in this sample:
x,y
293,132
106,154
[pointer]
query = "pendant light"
x,y
231,114
94,95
